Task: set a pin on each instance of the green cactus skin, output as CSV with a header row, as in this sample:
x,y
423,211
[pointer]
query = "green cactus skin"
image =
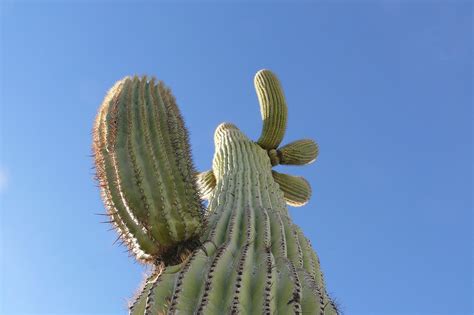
x,y
145,171
296,190
272,107
299,152
254,260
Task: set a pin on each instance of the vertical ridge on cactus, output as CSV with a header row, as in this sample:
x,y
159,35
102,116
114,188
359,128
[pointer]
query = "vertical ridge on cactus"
x,y
247,257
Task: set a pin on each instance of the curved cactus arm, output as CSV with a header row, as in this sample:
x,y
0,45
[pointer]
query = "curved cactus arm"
x,y
296,190
206,182
298,152
272,107
144,169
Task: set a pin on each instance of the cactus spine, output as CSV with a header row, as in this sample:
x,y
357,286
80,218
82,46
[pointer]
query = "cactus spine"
x,y
254,260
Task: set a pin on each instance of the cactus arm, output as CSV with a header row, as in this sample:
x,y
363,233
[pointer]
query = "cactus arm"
x,y
272,107
296,190
298,152
151,196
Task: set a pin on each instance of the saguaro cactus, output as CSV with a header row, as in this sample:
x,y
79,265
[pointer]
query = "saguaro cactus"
x,y
243,254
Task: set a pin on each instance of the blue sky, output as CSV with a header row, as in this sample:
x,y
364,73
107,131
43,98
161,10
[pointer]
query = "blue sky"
x,y
384,87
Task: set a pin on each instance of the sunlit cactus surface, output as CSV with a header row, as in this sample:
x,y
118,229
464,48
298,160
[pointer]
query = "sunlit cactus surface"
x,y
242,254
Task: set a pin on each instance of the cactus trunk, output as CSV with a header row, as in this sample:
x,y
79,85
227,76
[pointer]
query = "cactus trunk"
x,y
262,262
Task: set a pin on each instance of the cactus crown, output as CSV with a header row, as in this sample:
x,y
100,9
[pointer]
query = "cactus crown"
x,y
241,255
273,108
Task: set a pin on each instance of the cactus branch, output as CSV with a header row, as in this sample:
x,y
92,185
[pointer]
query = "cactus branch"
x,y
272,107
296,190
144,169
299,152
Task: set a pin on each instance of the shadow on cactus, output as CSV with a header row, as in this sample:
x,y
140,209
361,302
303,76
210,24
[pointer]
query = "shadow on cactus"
x,y
241,255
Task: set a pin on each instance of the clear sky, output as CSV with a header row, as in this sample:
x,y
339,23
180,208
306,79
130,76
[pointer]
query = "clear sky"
x,y
384,87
